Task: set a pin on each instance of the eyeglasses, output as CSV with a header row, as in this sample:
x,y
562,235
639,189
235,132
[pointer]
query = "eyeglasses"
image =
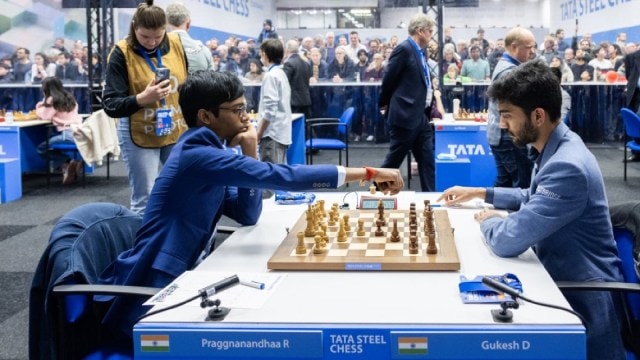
x,y
237,110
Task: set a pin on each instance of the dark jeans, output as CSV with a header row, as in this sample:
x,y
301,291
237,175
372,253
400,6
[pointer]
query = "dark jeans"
x,y
512,163
420,142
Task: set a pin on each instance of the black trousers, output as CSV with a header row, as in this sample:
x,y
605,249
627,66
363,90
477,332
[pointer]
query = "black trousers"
x,y
420,142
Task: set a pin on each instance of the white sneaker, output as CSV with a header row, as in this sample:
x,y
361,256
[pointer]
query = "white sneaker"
x,y
356,138
370,138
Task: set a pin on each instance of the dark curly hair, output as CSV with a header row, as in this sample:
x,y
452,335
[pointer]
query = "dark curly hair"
x,y
530,86
63,100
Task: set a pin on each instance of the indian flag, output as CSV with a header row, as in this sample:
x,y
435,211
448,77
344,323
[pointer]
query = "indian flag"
x,y
412,345
154,343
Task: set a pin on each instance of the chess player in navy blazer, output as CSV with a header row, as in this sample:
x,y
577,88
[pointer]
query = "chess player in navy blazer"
x,y
201,181
405,98
564,215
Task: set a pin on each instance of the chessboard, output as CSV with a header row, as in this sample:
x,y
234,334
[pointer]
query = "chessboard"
x,y
410,240
464,114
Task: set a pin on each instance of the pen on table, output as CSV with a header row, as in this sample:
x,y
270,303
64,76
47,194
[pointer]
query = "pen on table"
x,y
253,284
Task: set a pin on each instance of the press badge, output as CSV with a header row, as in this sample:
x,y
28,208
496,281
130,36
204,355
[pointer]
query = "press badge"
x,y
163,122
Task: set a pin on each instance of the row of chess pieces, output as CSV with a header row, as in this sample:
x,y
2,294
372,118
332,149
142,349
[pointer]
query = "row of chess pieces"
x,y
465,114
317,228
19,115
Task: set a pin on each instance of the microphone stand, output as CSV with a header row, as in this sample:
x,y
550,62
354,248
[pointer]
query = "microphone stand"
x,y
217,313
504,315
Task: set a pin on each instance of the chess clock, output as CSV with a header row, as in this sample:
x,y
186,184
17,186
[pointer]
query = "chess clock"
x,y
371,203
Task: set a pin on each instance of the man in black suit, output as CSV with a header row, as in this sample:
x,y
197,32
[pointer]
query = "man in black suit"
x,y
66,69
632,70
298,72
405,98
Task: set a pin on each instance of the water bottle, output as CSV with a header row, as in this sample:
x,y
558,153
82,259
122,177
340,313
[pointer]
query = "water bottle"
x,y
8,117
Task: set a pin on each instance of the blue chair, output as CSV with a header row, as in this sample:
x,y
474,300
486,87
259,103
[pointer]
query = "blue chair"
x,y
632,130
74,152
340,142
630,288
64,320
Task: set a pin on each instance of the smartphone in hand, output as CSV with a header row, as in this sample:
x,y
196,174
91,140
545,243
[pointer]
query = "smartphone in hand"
x,y
162,74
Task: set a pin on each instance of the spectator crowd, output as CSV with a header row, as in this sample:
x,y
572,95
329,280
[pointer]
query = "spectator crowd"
x,y
337,59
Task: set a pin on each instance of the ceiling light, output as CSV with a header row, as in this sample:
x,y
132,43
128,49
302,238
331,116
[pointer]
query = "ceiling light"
x,y
361,12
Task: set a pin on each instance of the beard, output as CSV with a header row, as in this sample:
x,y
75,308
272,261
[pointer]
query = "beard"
x,y
526,135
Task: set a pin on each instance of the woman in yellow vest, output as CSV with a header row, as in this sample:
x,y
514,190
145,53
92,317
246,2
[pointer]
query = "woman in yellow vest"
x,y
150,119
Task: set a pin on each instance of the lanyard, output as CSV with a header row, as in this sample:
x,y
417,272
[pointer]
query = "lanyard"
x,y
153,68
509,58
425,67
271,67
148,60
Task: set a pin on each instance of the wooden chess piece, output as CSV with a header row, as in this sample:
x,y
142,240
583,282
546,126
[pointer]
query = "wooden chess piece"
x,y
431,246
301,249
372,189
318,248
332,219
325,237
381,212
347,226
413,244
309,230
427,205
360,231
342,234
379,231
428,217
395,235
323,213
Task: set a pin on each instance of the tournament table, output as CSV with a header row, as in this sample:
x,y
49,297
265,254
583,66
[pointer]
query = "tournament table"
x,y
357,314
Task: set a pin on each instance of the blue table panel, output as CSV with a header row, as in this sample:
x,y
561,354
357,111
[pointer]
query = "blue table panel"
x,y
22,143
237,341
465,142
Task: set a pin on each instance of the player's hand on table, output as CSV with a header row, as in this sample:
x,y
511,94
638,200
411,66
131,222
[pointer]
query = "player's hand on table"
x,y
487,213
389,181
458,194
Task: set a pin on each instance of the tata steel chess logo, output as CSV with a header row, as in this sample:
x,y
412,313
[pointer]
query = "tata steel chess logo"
x,y
466,149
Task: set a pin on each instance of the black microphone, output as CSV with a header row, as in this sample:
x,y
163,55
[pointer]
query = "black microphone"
x,y
496,285
219,286
504,288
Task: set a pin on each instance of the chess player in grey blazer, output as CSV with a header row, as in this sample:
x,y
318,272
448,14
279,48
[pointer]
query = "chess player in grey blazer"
x,y
404,93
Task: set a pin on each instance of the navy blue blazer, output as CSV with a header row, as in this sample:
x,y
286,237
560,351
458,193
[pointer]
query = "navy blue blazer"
x,y
404,88
199,182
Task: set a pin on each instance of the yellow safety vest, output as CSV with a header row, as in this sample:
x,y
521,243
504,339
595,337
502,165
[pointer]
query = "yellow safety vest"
x,y
142,124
